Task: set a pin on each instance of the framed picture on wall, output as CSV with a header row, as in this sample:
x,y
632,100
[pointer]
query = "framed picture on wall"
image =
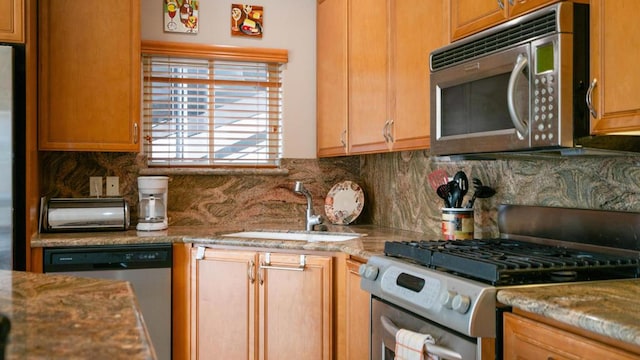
x,y
247,20
181,16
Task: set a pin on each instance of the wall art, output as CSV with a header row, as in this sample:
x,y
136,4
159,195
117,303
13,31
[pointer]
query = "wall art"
x,y
247,20
181,16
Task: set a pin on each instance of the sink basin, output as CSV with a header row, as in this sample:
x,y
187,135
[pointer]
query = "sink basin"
x,y
299,236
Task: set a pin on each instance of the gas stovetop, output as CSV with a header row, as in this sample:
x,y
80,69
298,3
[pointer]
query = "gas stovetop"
x,y
510,262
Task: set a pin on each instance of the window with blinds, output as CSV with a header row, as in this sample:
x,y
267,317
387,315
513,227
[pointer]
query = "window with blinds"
x,y
206,111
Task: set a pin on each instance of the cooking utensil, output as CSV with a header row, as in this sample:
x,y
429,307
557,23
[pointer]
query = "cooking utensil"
x,y
454,193
437,178
462,183
480,191
443,193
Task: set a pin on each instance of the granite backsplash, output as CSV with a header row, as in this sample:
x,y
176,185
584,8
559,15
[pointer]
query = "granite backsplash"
x,y
396,189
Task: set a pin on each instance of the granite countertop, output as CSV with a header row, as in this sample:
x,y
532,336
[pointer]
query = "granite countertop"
x,y
65,317
601,307
609,308
371,241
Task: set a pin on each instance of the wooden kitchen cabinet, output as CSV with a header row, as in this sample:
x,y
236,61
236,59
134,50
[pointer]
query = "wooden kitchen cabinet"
x,y
386,79
12,14
357,314
259,305
331,75
89,75
389,72
471,16
526,338
615,48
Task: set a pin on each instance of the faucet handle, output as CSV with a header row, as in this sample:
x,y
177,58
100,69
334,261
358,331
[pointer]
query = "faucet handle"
x,y
315,220
299,187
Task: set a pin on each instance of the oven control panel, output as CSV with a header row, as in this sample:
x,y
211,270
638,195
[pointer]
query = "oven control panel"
x,y
461,304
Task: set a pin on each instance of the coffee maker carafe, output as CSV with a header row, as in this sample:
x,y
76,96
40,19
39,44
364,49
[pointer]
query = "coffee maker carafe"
x,y
152,207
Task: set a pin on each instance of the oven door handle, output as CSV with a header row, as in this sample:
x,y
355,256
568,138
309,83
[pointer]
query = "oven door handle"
x,y
432,349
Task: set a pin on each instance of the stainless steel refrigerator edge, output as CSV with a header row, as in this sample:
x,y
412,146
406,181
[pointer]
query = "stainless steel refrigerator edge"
x,y
12,113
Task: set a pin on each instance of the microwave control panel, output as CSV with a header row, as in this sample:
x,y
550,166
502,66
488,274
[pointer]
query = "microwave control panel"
x,y
544,129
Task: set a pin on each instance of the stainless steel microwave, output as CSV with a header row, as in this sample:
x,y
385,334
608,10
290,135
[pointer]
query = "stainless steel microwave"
x,y
521,85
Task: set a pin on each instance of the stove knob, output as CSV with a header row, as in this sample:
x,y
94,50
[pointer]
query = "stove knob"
x,y
368,272
446,298
461,303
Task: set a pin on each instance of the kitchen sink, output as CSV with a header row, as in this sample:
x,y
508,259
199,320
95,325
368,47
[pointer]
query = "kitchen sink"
x,y
297,236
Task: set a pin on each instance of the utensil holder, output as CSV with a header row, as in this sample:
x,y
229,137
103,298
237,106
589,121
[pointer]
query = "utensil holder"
x,y
457,223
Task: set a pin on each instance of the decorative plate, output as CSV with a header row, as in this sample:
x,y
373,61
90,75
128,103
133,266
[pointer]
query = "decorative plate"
x,y
344,203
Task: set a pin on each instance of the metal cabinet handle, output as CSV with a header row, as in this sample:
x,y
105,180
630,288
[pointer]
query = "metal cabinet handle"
x,y
135,133
432,349
501,4
511,2
267,264
384,131
589,98
389,131
343,138
250,271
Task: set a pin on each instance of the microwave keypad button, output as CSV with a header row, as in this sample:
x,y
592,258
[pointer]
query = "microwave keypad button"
x,y
550,136
544,91
544,80
541,128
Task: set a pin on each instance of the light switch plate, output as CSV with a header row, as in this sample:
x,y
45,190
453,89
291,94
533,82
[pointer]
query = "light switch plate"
x,y
95,186
113,186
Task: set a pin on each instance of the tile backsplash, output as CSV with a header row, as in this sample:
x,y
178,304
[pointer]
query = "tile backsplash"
x,y
396,188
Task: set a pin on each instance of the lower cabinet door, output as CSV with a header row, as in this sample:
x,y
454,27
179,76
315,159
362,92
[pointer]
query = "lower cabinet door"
x,y
295,306
223,305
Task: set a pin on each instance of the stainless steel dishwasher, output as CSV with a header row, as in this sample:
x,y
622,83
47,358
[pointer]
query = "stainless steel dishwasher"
x,y
147,267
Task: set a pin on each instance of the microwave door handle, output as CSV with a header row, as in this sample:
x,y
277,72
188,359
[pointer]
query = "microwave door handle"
x,y
521,126
432,349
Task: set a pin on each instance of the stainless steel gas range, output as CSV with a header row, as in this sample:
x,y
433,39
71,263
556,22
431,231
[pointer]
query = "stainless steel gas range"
x,y
447,289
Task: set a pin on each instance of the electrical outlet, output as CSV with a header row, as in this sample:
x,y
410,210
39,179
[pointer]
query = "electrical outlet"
x,y
95,186
113,186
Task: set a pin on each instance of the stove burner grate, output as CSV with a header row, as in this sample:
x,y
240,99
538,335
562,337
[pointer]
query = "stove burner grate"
x,y
499,261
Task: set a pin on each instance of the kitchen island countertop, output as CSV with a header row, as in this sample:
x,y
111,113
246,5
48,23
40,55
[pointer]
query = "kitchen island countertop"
x,y
66,317
610,308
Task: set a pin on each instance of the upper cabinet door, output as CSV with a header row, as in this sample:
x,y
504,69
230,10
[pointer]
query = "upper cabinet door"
x,y
368,76
12,21
332,112
89,77
417,28
615,50
470,16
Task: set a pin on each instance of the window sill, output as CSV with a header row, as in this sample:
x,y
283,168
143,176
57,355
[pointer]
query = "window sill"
x,y
218,171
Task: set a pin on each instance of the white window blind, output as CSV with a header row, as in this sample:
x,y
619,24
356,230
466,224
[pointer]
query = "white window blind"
x,y
201,111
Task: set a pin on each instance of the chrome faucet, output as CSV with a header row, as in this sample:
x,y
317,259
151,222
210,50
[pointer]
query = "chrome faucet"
x,y
311,219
